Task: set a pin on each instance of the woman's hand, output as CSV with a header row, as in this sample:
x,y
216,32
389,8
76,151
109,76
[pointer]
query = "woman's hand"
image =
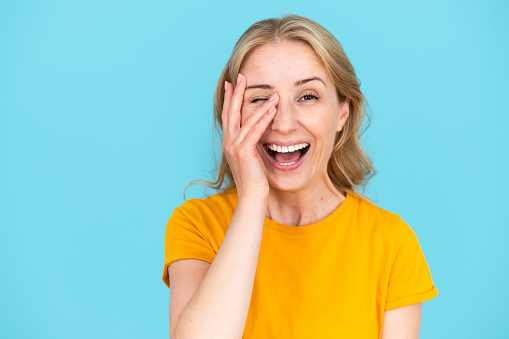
x,y
240,142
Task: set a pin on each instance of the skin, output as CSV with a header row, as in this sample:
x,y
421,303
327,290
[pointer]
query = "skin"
x,y
403,322
207,296
309,112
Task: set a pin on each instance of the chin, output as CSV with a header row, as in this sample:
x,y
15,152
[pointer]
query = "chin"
x,y
286,184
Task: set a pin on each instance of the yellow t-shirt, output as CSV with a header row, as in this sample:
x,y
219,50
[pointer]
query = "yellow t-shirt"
x,y
331,279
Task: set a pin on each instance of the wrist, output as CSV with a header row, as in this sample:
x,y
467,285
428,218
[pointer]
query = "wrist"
x,y
253,200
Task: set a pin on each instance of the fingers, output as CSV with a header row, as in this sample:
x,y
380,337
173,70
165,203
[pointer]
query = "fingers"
x,y
253,128
226,106
236,105
255,133
268,108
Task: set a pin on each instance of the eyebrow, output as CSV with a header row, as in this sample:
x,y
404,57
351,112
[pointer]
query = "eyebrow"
x,y
297,83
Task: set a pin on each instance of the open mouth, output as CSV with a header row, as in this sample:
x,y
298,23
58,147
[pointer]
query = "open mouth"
x,y
286,155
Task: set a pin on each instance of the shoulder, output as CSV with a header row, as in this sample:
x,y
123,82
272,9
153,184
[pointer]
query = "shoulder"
x,y
217,206
370,210
380,219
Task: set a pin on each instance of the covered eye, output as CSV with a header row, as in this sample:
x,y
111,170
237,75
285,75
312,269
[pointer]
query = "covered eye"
x,y
258,99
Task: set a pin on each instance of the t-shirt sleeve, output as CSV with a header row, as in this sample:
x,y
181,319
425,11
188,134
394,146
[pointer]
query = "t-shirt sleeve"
x,y
410,279
184,240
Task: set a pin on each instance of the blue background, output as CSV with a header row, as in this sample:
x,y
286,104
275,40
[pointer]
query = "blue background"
x,y
106,115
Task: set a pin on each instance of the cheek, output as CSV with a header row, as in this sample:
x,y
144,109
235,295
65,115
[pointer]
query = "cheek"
x,y
330,120
323,124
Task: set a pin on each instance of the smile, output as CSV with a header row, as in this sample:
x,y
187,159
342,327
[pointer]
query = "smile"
x,y
286,158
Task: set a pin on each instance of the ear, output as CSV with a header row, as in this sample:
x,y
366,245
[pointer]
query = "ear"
x,y
344,111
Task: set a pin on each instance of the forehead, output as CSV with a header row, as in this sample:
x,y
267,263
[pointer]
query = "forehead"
x,y
286,61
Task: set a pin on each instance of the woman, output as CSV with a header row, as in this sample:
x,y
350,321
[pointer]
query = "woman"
x,y
289,248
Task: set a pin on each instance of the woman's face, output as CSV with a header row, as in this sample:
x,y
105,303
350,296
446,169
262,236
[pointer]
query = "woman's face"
x,y
308,114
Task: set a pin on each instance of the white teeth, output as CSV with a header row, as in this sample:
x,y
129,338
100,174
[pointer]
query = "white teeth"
x,y
285,149
286,163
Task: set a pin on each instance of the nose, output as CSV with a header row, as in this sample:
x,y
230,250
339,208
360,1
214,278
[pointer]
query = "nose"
x,y
285,121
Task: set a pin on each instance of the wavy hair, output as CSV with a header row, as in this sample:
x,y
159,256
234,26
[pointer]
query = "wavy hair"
x,y
348,166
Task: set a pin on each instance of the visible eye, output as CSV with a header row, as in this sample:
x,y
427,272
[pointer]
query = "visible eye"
x,y
308,97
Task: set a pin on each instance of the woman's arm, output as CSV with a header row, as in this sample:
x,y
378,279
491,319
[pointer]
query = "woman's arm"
x,y
403,322
220,305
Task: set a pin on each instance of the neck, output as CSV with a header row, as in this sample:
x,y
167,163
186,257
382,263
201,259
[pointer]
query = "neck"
x,y
306,206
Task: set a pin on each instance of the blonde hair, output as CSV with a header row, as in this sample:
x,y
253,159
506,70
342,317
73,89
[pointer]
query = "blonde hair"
x,y
348,166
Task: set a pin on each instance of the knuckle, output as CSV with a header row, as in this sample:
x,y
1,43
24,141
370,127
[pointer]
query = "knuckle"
x,y
226,146
228,153
231,150
235,153
240,155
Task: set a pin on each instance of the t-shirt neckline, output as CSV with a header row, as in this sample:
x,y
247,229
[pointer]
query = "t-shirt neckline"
x,y
312,228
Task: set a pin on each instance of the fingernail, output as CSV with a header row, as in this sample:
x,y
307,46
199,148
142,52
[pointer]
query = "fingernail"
x,y
272,108
226,86
238,78
273,97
